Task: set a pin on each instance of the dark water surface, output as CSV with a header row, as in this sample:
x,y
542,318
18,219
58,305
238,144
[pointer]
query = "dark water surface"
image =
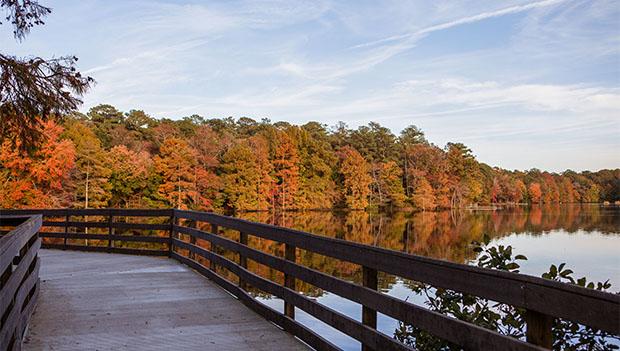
x,y
586,237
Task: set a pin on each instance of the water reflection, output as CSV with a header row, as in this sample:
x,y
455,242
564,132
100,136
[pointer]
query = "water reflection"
x,y
443,235
587,237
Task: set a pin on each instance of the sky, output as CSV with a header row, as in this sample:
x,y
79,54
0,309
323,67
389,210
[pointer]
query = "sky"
x,y
525,84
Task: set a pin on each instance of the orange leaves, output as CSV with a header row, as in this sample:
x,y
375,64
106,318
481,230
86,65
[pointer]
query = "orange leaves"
x,y
31,180
535,192
286,171
185,182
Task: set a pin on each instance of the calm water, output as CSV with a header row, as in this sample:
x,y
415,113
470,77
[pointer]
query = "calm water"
x,y
586,237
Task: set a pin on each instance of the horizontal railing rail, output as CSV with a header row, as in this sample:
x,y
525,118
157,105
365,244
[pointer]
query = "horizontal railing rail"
x,y
544,300
19,282
72,234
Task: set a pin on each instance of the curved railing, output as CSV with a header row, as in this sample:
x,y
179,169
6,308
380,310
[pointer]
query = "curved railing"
x,y
19,283
176,233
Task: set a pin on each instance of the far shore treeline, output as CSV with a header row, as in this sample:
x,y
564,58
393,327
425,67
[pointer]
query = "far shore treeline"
x,y
107,158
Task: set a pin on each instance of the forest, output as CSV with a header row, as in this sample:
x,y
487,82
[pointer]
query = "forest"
x,y
108,158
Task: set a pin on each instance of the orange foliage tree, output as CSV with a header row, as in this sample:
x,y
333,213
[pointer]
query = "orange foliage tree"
x,y
286,172
35,179
535,192
181,176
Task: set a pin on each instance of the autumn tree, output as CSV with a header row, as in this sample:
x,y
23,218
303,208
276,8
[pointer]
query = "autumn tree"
x,y
34,179
423,197
391,182
107,121
317,163
429,162
356,179
535,192
550,191
208,146
128,175
592,194
286,171
246,175
464,175
181,176
89,183
409,137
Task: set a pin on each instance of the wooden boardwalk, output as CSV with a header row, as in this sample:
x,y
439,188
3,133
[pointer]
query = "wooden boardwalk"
x,y
99,301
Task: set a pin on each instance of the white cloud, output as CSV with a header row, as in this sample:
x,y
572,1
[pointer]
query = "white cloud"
x,y
516,73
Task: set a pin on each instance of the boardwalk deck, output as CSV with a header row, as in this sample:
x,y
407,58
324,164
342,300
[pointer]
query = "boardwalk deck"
x,y
98,301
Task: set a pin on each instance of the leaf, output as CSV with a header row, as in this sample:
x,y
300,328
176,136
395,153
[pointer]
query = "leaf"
x,y
520,257
553,270
512,266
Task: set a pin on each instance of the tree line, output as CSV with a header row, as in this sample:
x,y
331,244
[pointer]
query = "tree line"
x,y
107,158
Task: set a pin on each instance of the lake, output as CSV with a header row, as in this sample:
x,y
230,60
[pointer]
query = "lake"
x,y
586,237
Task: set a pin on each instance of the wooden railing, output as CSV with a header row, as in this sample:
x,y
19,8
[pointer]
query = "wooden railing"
x,y
544,300
19,283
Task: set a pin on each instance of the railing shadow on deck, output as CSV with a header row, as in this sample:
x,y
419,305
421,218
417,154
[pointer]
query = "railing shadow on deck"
x,y
544,300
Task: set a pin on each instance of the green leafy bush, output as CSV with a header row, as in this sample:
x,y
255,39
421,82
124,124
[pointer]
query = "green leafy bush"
x,y
503,318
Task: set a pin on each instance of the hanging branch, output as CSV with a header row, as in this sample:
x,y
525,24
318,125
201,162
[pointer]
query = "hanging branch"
x,y
33,89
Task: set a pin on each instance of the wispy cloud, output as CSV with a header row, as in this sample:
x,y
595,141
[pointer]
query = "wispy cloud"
x,y
503,76
418,34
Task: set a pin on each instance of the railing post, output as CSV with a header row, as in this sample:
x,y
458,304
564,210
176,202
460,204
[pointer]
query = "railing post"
x,y
173,221
214,230
192,239
290,254
539,329
243,261
369,316
110,231
66,231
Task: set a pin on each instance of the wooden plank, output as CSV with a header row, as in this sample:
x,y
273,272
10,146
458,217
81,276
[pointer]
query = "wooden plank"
x,y
64,242
243,261
117,212
125,238
539,329
12,243
215,231
118,225
174,220
302,332
98,301
119,250
20,267
110,231
369,315
470,336
323,313
290,254
8,290
10,326
192,239
13,221
590,307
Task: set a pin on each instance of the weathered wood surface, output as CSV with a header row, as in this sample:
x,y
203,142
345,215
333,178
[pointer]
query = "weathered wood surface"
x,y
99,301
19,278
543,299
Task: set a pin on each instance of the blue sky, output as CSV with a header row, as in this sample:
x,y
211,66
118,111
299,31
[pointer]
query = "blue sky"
x,y
523,83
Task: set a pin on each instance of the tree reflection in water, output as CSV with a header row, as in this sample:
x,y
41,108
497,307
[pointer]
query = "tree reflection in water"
x,y
443,235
